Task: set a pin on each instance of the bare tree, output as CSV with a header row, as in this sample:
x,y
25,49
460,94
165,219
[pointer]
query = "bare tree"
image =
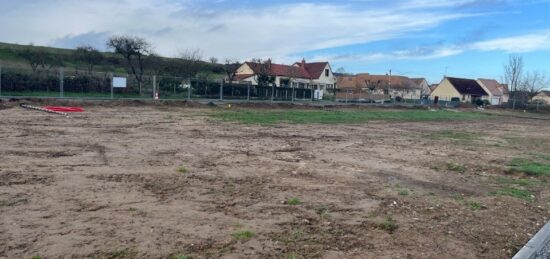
x,y
213,60
89,55
133,49
513,73
533,83
37,57
263,71
230,67
190,61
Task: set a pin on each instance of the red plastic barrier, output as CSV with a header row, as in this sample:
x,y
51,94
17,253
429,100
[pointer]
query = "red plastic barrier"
x,y
64,109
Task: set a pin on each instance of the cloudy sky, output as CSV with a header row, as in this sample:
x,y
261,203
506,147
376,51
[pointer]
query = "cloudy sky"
x,y
428,38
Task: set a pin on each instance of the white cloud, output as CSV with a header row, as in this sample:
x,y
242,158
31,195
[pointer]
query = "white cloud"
x,y
518,44
274,31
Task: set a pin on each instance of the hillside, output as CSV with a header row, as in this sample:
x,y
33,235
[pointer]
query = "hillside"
x,y
10,55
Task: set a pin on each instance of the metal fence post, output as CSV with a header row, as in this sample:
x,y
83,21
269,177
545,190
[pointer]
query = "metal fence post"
x,y
154,87
292,100
111,81
61,72
189,89
0,79
248,91
272,92
221,90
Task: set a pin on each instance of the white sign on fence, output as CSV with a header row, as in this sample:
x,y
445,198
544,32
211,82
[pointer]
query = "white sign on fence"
x,y
119,82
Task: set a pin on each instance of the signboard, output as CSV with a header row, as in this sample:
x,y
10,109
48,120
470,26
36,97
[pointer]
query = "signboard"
x,y
119,82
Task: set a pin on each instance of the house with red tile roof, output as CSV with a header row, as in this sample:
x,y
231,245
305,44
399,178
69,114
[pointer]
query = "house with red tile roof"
x,y
498,93
367,87
317,75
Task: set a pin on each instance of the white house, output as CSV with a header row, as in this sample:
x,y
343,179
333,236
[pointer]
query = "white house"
x,y
316,75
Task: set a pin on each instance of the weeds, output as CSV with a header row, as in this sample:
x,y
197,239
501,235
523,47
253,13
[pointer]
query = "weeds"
x,y
36,257
182,170
456,167
322,212
403,193
389,225
292,256
243,235
181,257
293,201
474,205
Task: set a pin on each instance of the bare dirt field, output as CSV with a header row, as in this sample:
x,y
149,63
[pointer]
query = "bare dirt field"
x,y
175,182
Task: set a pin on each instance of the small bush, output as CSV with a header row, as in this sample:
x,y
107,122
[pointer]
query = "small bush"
x,y
403,193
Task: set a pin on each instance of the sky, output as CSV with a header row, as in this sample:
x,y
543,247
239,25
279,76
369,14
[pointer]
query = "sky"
x,y
415,38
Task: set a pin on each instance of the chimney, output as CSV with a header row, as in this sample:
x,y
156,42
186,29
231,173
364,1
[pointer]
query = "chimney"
x,y
303,62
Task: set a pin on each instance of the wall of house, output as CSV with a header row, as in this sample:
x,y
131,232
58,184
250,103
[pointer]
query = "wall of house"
x,y
542,97
326,82
425,88
446,91
244,69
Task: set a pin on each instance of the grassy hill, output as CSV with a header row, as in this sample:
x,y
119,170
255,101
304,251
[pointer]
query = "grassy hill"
x,y
10,56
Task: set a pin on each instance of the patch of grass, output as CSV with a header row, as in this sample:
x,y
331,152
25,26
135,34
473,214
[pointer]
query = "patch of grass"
x,y
529,167
473,205
403,193
389,225
132,209
455,167
458,197
243,235
36,257
516,193
520,182
248,116
293,201
182,170
181,257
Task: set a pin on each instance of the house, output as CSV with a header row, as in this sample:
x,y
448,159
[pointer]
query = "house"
x,y
317,75
498,93
543,96
424,86
459,90
367,87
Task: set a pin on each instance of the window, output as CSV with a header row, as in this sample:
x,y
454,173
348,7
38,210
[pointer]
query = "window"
x,y
327,72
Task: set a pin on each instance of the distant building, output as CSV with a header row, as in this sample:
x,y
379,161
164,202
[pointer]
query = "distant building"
x,y
459,90
498,93
317,75
367,87
543,96
424,86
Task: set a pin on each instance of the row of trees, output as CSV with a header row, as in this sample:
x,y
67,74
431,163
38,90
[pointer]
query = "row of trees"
x,y
524,85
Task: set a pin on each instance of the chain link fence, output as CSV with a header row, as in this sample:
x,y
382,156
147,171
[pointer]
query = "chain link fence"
x,y
64,83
